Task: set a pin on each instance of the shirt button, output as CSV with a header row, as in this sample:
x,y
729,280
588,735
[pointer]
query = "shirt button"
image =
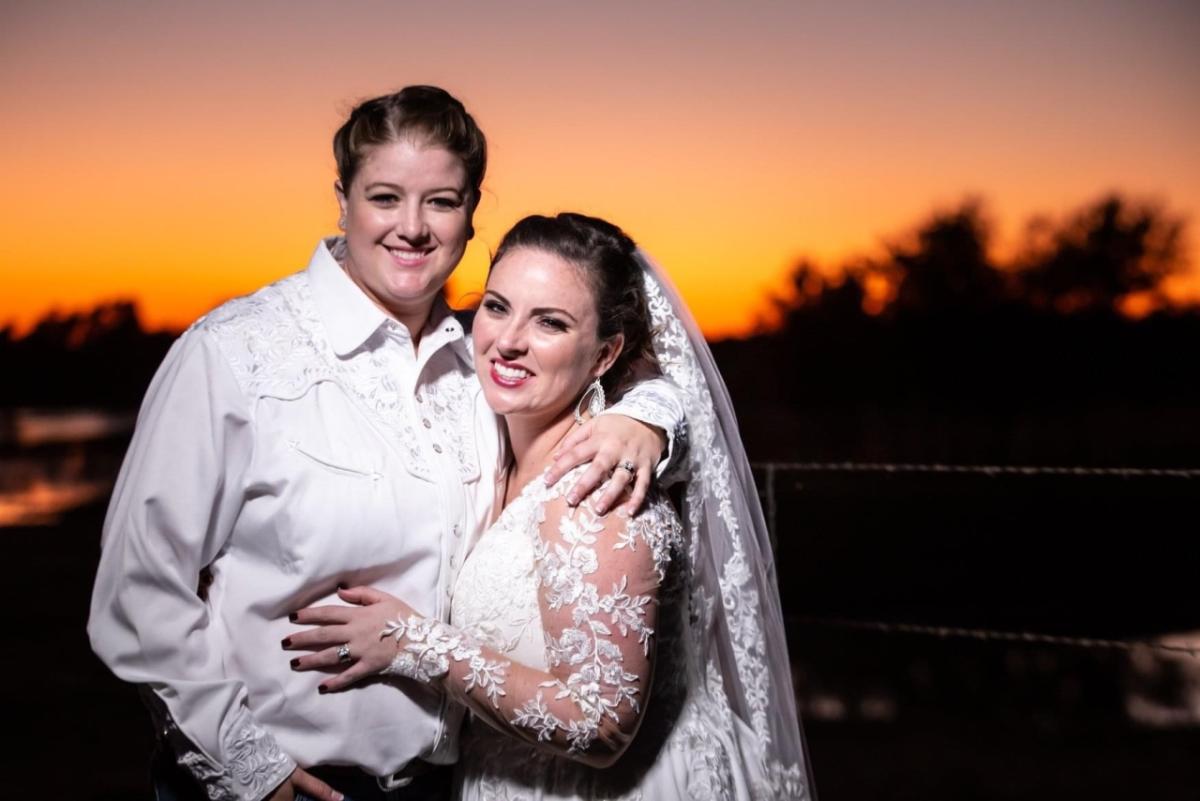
x,y
437,448
425,422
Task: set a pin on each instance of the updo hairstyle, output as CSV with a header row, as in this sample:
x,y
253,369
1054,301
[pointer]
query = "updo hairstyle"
x,y
605,255
424,113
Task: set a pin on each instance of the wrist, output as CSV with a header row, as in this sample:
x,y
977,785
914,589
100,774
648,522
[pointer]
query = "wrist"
x,y
423,648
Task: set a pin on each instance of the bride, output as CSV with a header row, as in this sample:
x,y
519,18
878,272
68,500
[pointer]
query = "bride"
x,y
602,655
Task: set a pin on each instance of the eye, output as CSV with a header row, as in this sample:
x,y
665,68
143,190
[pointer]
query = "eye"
x,y
493,306
383,199
445,203
552,323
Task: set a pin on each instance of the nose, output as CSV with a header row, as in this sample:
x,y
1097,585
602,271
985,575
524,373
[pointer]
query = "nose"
x,y
511,339
410,222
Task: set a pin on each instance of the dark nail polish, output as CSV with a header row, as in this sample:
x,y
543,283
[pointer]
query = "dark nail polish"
x,y
295,663
292,617
322,689
343,585
286,642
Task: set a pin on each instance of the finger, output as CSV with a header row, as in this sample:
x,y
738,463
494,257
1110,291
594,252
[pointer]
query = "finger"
x,y
310,785
363,596
327,659
637,496
355,673
607,496
589,480
312,639
321,615
579,450
286,791
574,437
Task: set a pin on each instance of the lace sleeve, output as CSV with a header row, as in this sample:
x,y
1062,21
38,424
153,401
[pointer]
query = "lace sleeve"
x,y
599,577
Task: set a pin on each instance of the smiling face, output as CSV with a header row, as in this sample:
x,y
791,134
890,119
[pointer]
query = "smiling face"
x,y
407,220
536,346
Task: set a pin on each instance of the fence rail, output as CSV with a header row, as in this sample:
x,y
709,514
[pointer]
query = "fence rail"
x,y
771,473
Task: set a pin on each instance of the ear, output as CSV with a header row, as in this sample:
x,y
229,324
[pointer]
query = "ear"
x,y
609,351
341,197
472,206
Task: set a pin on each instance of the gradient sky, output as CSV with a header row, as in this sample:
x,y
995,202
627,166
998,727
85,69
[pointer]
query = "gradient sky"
x,y
178,152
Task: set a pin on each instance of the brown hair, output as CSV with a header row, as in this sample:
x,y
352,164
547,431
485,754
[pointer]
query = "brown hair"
x,y
426,112
606,256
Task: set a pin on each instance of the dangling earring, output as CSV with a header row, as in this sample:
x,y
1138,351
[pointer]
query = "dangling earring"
x,y
342,222
594,395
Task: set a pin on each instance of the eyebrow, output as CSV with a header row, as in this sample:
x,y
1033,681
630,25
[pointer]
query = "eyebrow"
x,y
538,310
399,189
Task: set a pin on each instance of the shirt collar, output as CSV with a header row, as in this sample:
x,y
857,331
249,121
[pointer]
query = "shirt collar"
x,y
351,318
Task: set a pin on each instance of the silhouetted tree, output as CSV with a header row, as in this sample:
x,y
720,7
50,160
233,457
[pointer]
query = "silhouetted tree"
x,y
1103,255
102,356
947,270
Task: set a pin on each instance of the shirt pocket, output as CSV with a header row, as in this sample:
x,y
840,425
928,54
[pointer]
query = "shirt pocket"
x,y
339,464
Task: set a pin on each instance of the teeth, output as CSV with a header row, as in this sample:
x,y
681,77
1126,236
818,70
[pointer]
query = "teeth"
x,y
407,255
510,372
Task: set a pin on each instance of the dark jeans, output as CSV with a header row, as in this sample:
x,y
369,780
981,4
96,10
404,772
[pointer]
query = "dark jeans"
x,y
173,783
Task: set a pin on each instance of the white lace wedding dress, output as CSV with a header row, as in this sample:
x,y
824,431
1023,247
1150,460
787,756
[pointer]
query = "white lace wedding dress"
x,y
539,588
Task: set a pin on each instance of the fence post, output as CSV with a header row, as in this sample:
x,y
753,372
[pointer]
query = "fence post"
x,y
770,478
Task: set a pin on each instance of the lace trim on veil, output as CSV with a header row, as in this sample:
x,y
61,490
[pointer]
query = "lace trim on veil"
x,y
740,641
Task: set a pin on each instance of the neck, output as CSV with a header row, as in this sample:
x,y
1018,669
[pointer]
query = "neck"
x,y
533,442
414,320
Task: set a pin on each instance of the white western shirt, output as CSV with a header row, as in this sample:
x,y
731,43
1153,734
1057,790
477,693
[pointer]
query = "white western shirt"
x,y
293,440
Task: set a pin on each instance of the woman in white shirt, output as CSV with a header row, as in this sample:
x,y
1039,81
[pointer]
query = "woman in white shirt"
x,y
327,429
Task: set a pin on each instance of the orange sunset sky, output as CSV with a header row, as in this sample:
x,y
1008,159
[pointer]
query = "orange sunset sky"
x,y
178,153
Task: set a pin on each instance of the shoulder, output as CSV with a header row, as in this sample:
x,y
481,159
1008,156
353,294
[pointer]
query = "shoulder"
x,y
270,304
268,338
654,531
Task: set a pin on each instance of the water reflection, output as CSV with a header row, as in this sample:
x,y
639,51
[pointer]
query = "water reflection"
x,y
33,427
53,461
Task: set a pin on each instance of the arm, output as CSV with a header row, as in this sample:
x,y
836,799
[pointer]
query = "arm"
x,y
599,579
171,512
647,419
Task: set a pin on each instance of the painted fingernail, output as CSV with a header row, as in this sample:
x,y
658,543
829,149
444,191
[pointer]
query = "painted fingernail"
x,y
322,689
295,663
286,642
292,617
343,585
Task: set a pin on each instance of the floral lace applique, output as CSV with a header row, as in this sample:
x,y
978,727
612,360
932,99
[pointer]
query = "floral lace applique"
x,y
276,345
254,765
739,601
449,401
427,646
599,685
